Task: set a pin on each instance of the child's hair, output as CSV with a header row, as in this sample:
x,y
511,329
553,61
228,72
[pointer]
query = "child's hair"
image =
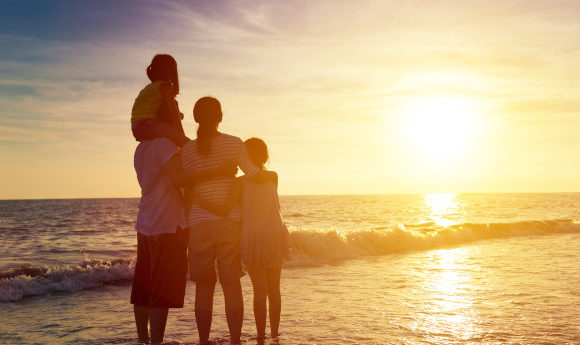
x,y
258,151
164,67
207,111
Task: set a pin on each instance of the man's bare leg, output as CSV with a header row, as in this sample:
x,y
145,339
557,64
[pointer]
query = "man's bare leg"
x,y
157,320
142,321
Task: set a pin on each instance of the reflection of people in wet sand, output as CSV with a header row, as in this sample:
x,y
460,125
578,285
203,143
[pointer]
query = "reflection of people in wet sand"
x,y
264,236
215,239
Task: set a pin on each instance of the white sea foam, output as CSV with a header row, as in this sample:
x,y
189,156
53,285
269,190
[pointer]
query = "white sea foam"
x,y
66,278
310,248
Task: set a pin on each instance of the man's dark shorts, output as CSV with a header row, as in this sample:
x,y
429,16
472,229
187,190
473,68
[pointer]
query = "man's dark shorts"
x,y
161,270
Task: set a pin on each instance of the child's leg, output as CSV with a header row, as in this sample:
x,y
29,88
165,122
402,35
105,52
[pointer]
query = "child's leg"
x,y
148,129
145,129
260,284
176,135
274,299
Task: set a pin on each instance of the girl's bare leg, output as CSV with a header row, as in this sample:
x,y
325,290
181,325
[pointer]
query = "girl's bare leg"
x,y
260,284
274,299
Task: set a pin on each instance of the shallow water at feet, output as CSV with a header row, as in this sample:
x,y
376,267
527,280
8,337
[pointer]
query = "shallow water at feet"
x,y
410,269
515,291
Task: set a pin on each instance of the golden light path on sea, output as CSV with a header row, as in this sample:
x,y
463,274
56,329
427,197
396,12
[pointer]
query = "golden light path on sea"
x,y
442,208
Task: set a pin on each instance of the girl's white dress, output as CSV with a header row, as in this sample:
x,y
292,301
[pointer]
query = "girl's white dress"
x,y
265,238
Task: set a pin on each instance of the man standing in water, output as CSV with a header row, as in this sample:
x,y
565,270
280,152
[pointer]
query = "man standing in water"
x,y
161,268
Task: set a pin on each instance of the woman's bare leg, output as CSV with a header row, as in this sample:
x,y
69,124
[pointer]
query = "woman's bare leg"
x,y
204,309
234,302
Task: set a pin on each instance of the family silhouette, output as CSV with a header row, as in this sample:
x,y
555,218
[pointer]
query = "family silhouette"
x,y
196,216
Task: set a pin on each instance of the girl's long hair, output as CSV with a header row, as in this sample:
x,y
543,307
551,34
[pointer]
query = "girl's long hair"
x,y
164,67
258,151
207,111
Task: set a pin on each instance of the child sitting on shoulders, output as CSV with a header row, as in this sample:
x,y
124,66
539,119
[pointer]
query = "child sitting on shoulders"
x,y
157,101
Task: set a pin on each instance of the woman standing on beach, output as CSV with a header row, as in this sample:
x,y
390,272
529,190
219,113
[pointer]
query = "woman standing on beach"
x,y
213,238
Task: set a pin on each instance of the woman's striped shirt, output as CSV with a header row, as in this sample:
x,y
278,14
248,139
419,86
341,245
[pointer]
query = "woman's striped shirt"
x,y
223,146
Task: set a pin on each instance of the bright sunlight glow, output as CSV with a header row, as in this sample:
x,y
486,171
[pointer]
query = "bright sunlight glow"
x,y
443,208
440,128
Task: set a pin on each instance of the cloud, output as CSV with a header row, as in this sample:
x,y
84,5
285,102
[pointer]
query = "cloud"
x,y
310,77
551,109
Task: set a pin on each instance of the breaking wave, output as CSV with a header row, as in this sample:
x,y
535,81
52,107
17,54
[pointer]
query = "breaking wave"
x,y
312,248
309,248
24,281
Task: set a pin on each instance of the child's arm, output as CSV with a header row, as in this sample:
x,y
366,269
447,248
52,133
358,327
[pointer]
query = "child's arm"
x,y
231,200
168,95
169,113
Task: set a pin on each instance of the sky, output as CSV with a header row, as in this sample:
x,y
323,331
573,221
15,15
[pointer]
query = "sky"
x,y
352,97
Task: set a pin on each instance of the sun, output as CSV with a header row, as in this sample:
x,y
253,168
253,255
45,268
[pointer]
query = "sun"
x,y
440,128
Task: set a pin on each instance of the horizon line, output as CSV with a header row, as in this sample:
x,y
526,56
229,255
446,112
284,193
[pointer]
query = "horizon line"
x,y
363,194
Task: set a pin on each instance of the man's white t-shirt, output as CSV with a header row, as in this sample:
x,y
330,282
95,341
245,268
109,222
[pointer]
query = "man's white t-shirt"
x,y
161,208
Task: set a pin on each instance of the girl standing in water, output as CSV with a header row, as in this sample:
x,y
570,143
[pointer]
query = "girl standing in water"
x,y
265,238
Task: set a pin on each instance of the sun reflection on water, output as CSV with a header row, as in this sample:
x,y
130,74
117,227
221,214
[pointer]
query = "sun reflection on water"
x,y
450,306
443,208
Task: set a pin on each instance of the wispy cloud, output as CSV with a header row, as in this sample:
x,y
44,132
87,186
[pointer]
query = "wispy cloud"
x,y
313,77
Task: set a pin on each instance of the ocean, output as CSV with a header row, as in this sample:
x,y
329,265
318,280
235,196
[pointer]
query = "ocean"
x,y
365,269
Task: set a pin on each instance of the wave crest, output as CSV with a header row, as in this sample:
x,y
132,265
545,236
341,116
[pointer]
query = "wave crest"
x,y
309,248
26,281
317,248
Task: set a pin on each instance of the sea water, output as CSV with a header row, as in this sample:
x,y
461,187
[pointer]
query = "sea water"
x,y
376,269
